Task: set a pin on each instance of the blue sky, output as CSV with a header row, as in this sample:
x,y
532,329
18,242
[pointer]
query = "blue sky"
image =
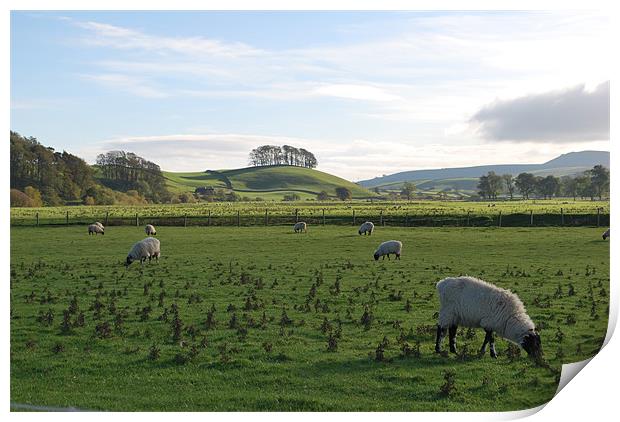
x,y
370,93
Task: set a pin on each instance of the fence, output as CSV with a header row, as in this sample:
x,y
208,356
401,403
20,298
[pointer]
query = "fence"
x,y
322,217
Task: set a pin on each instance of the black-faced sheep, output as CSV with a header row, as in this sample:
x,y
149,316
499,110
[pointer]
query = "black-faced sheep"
x,y
390,247
474,303
606,235
300,227
95,228
366,228
150,230
146,248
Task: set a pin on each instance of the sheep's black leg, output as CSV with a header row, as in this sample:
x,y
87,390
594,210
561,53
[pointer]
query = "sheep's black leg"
x,y
441,333
452,338
492,343
398,257
487,340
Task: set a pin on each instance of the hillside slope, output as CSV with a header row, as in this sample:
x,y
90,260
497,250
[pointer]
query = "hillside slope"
x,y
565,164
268,182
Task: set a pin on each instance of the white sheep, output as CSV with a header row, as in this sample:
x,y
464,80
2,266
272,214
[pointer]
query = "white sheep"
x,y
150,230
606,234
474,303
99,224
366,228
146,248
95,228
300,227
387,248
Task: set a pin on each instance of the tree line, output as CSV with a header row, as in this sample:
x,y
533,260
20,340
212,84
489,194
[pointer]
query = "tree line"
x,y
593,183
40,176
270,155
126,171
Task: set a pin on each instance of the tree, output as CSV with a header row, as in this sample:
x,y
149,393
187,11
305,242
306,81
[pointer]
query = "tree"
x,y
344,194
547,186
290,197
270,155
20,199
526,183
489,185
408,190
599,175
569,186
322,196
34,195
509,183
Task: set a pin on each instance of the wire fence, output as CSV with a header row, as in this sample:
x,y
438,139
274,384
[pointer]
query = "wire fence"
x,y
523,219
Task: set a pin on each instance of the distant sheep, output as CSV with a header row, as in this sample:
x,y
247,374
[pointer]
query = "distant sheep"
x,y
300,226
606,234
95,228
99,224
474,303
390,247
150,230
146,248
366,228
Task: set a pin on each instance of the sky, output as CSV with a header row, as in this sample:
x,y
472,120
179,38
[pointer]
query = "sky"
x,y
369,93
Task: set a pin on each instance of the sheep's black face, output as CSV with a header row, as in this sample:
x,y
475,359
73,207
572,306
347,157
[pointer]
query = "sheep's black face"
x,y
376,257
531,344
129,261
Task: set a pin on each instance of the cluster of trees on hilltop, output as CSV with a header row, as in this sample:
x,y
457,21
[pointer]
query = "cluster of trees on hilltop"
x,y
49,177
270,155
591,184
125,171
42,176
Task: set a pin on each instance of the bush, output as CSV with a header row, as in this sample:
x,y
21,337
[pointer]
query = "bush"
x,y
34,195
20,199
291,197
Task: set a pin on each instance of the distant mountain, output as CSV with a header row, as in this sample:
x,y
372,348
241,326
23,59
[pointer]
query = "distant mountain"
x,y
565,164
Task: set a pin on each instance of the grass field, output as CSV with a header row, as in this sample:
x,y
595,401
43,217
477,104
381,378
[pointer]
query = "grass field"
x,y
87,333
363,209
267,182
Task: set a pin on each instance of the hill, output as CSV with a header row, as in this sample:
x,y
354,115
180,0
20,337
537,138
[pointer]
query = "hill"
x,y
464,179
267,182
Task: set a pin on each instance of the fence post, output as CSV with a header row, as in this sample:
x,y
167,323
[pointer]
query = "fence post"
x,y
238,218
354,217
266,218
209,218
531,217
499,219
598,217
185,221
296,215
137,220
37,219
381,217
562,216
106,218
406,220
468,218
323,216
67,218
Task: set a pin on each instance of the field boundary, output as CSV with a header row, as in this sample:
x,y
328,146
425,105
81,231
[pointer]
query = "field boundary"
x,y
321,217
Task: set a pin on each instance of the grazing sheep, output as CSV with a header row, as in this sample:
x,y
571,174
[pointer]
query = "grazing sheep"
x,y
150,230
95,228
299,227
474,303
99,224
387,248
366,228
146,248
606,234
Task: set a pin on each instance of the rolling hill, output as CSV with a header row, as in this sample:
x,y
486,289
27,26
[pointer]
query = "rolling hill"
x,y
465,179
267,182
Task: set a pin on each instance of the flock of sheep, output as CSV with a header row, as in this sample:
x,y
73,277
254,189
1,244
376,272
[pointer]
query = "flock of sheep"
x,y
464,301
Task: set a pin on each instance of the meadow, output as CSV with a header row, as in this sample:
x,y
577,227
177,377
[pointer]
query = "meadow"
x,y
310,209
260,318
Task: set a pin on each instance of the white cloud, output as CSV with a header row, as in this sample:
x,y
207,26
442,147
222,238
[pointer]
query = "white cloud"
x,y
131,84
355,92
